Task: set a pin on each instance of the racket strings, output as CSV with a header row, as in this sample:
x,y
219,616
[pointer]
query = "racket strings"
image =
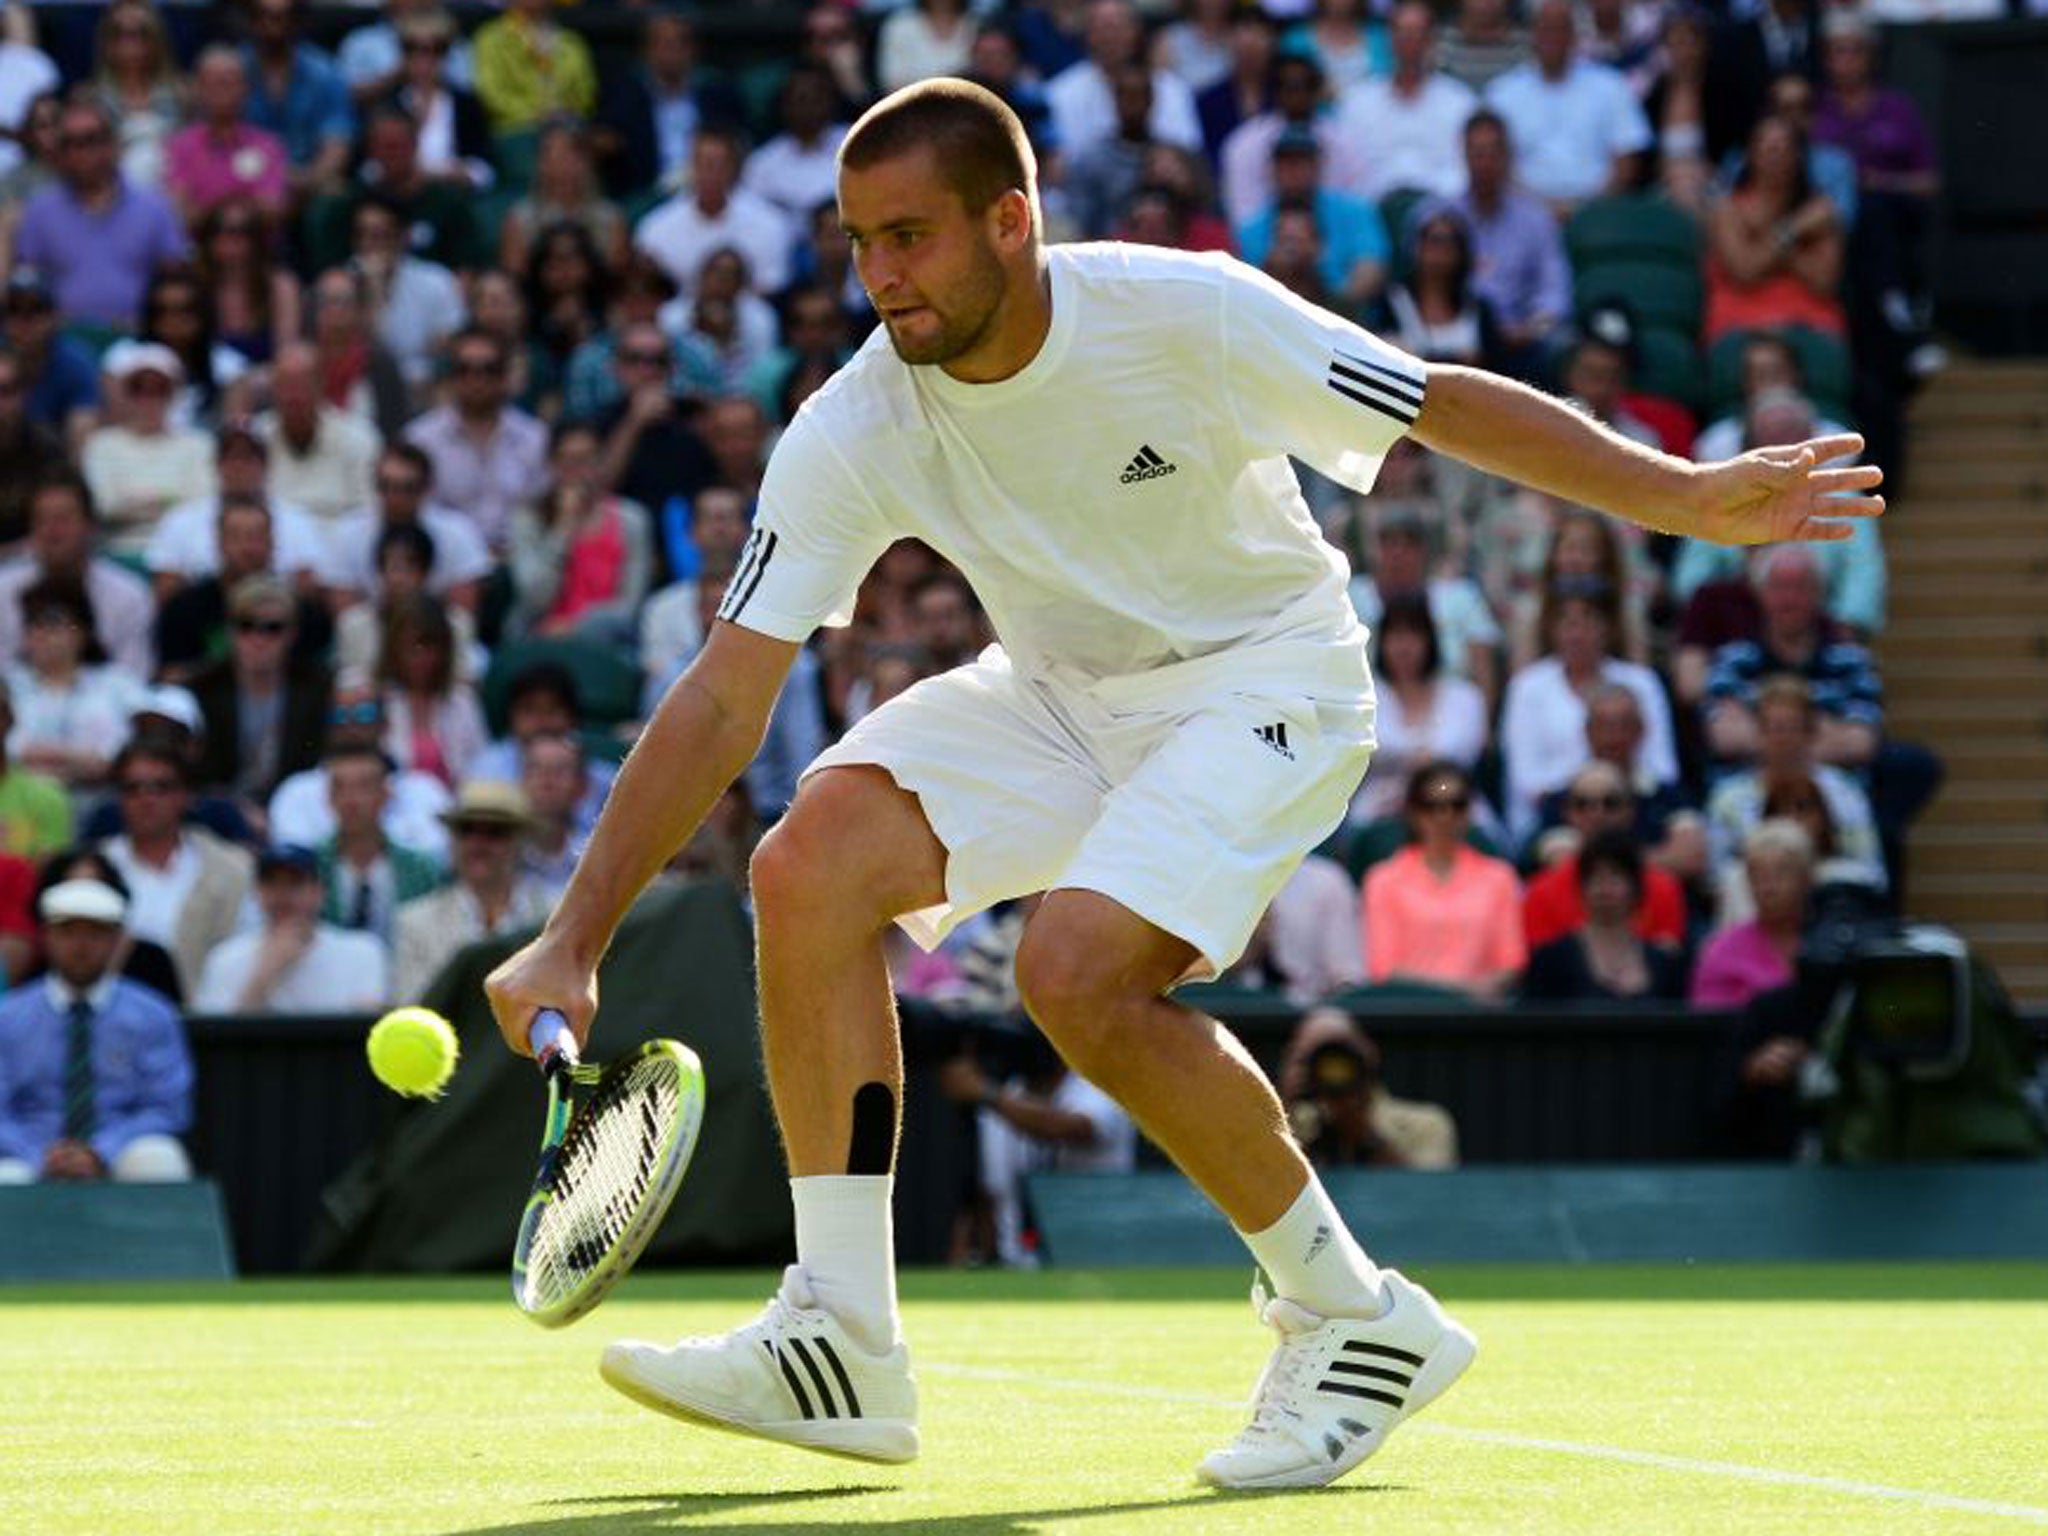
x,y
602,1175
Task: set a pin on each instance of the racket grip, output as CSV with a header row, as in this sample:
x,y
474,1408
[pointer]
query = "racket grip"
x,y
551,1039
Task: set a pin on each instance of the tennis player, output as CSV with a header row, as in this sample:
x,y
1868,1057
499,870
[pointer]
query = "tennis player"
x,y
1178,711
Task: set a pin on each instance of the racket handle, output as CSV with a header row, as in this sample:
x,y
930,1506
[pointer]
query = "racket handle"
x,y
551,1039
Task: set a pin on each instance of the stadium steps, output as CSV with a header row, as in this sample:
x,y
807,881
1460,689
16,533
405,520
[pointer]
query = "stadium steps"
x,y
1965,657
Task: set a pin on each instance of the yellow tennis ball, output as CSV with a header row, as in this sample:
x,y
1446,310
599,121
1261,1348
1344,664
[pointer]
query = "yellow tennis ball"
x,y
413,1051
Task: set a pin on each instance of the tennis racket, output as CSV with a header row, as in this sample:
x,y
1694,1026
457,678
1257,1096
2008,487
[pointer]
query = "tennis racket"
x,y
617,1143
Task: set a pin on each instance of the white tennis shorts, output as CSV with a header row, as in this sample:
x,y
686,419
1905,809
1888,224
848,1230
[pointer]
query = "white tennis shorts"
x,y
1193,818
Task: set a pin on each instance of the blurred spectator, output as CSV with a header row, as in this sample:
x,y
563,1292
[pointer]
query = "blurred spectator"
x,y
652,453
35,165
1424,714
1355,250
454,131
728,329
1597,375
95,236
553,777
1052,34
922,39
62,383
1413,117
579,556
136,78
1246,90
266,715
798,168
565,190
402,491
1677,108
1831,168
139,465
1099,181
405,558
358,373
815,340
1466,632
178,313
414,304
1081,96
186,886
1585,555
1439,912
1770,364
140,961
1308,941
254,301
528,68
489,456
95,1078
1760,955
715,212
365,875
35,813
294,962
372,57
1788,739
1482,44
439,211
302,811
320,458
1666,821
1245,178
1341,1112
564,301
1797,638
542,700
1751,48
1045,1117
221,154
1436,312
648,116
1577,129
70,709
1518,259
796,725
296,92
1598,801
1543,719
61,541
832,39
433,721
997,64
1605,958
490,897
710,532
192,628
1774,246
1346,37
29,453
1845,885
1197,45
1624,35
186,545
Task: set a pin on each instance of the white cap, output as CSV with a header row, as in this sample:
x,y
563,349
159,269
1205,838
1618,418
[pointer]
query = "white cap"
x,y
84,899
173,703
125,358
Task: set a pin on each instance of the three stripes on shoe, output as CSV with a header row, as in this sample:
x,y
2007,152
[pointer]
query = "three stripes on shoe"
x,y
1382,1363
847,1407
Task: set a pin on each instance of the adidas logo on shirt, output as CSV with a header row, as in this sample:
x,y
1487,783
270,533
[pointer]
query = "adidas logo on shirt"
x,y
1275,736
1146,465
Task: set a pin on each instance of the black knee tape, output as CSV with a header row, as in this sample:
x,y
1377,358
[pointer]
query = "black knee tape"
x,y
873,1146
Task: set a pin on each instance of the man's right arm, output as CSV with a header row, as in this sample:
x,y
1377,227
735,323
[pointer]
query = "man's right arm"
x,y
702,736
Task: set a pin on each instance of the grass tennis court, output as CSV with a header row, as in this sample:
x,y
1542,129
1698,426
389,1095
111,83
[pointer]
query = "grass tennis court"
x,y
1869,1399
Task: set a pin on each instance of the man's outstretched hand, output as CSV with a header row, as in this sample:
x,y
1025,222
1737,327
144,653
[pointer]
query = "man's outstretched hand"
x,y
1775,495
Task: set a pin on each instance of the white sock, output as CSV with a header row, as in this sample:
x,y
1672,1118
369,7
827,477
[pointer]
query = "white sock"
x,y
846,1244
1313,1260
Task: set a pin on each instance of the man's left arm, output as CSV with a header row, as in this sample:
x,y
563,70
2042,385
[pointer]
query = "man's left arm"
x,y
1767,495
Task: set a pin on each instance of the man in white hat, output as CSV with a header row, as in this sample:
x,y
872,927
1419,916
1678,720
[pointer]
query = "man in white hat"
x,y
488,823
141,463
95,1078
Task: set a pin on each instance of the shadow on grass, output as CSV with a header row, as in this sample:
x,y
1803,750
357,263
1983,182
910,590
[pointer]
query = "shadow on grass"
x,y
627,1514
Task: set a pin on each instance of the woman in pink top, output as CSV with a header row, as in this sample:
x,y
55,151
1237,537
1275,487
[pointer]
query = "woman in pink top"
x,y
1759,955
580,555
433,722
1440,911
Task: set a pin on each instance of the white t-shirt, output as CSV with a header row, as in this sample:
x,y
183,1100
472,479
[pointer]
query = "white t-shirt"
x,y
1409,141
460,553
680,235
793,178
301,812
155,896
340,972
1543,732
1568,133
187,542
1124,502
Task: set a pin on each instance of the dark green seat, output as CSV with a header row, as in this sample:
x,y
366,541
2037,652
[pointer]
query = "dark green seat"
x,y
1632,228
1822,358
1668,365
608,683
1658,293
1380,840
1396,208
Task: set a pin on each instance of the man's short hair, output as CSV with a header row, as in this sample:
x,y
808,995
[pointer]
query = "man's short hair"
x,y
1787,689
352,751
977,142
545,679
151,747
72,484
414,455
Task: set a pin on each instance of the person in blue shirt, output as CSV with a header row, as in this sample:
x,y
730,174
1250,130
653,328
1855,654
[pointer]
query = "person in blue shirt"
x,y
1355,248
297,92
95,1077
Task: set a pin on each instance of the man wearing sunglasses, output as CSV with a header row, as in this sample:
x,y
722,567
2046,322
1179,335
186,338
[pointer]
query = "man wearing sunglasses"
x,y
266,717
1599,799
491,895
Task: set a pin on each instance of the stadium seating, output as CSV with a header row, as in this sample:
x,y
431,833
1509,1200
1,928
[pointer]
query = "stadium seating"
x,y
607,682
1660,293
1633,228
1822,358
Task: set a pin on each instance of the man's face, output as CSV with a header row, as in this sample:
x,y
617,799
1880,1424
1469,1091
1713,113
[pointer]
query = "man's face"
x,y
1296,91
356,718
1295,175
31,321
642,358
1784,736
540,714
551,773
930,267
1400,562
59,531
478,371
401,488
80,951
395,147
1131,92
816,327
1598,801
1411,35
295,387
1791,595
357,789
670,50
720,528
273,24
807,104
1486,157
221,89
1113,33
733,432
288,897
485,852
1251,47
245,543
1614,730
262,637
713,168
152,798
378,236
85,145
1597,376
1550,34
942,621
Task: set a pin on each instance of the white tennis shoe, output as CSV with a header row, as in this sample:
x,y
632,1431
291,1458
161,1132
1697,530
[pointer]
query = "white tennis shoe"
x,y
1336,1387
792,1374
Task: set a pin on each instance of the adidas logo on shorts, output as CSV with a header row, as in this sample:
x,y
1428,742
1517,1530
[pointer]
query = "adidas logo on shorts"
x,y
1275,736
1146,465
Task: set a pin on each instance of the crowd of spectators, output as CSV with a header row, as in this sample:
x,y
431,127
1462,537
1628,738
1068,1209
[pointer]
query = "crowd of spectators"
x,y
366,410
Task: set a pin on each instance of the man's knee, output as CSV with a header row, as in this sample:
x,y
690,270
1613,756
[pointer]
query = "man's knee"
x,y
851,844
1081,1002
152,1160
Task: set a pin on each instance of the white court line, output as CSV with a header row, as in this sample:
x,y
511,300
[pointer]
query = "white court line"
x,y
1918,1497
